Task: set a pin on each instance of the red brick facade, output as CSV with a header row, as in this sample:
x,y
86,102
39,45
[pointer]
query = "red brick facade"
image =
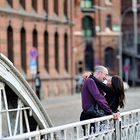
x,y
35,20
104,39
63,51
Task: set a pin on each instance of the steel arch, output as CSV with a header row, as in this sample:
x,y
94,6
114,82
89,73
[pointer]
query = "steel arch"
x,y
20,108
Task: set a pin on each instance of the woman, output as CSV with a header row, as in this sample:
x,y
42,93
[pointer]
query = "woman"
x,y
114,91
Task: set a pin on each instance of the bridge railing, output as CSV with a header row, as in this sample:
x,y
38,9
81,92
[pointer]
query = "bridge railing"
x,y
104,128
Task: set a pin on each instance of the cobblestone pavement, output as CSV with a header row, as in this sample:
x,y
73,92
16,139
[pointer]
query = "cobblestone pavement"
x,y
66,109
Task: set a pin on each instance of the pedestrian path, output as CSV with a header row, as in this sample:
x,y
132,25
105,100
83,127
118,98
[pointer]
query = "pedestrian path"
x,y
58,101
63,109
67,109
133,90
70,99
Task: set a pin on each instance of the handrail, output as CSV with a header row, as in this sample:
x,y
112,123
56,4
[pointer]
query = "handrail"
x,y
76,126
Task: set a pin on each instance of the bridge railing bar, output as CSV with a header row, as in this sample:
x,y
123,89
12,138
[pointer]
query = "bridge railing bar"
x,y
127,127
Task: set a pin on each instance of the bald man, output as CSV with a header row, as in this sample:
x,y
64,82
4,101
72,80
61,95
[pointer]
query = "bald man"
x,y
91,95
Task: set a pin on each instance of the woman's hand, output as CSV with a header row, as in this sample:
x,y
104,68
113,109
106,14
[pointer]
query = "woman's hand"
x,y
116,116
86,74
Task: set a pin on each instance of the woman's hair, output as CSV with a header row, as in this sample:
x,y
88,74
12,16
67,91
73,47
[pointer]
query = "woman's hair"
x,y
118,86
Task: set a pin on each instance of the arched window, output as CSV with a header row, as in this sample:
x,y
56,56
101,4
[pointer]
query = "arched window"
x,y
109,53
88,26
23,50
56,51
10,43
55,2
66,52
109,22
10,2
22,2
34,4
89,59
35,43
65,8
46,51
45,5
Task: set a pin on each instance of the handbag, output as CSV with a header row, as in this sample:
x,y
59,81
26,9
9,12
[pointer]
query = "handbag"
x,y
96,111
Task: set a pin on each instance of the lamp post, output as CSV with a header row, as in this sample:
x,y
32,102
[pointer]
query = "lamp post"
x,y
134,9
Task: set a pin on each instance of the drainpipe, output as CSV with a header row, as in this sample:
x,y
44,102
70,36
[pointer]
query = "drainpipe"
x,y
71,43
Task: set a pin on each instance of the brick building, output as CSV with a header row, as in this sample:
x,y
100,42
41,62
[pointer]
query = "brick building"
x,y
96,34
69,36
131,41
44,26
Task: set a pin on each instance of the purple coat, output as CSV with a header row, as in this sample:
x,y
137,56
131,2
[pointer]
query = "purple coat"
x,y
90,95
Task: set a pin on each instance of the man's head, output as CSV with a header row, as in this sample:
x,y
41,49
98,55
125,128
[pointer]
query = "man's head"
x,y
100,72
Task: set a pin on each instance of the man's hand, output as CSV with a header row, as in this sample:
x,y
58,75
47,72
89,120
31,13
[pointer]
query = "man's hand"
x,y
116,116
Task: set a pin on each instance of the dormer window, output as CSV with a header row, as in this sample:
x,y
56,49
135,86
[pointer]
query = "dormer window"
x,y
56,7
34,4
22,3
65,8
10,2
45,5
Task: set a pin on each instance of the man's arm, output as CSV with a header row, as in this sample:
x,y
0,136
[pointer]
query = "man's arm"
x,y
98,97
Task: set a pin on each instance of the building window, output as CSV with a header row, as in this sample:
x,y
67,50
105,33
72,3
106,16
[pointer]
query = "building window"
x,y
66,52
35,43
56,51
23,49
46,51
109,22
45,5
22,2
55,2
34,4
88,26
10,44
65,8
138,70
10,2
86,4
89,59
80,67
109,57
108,1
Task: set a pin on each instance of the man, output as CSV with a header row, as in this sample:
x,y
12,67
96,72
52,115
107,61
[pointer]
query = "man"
x,y
91,95
37,84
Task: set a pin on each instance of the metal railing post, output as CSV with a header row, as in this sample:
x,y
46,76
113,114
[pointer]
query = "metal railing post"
x,y
118,124
1,87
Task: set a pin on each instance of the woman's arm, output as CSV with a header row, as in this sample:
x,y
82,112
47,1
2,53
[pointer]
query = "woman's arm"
x,y
101,85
